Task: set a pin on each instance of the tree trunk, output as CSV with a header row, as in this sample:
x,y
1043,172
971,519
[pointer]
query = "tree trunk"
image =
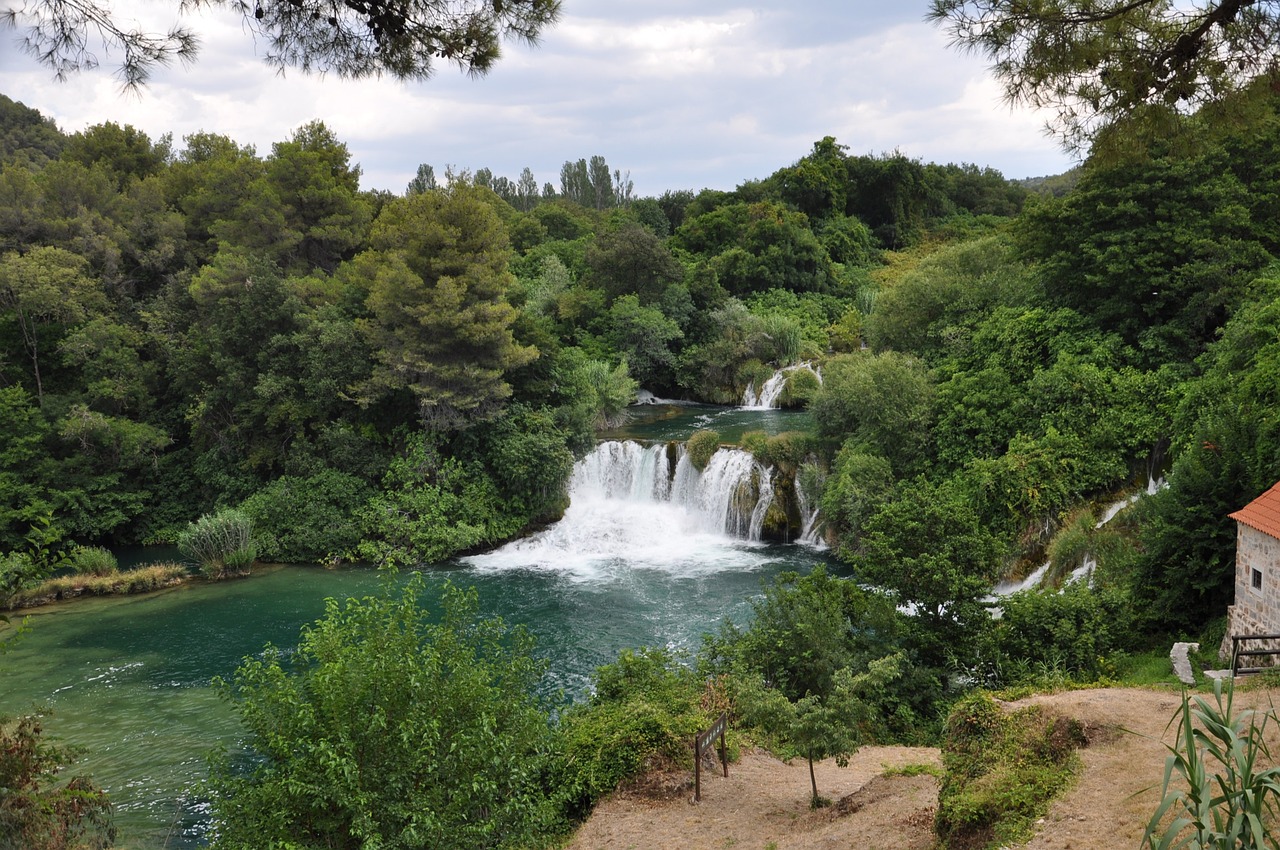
x,y
813,782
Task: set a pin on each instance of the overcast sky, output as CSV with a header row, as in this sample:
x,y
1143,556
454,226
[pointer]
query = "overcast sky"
x,y
682,95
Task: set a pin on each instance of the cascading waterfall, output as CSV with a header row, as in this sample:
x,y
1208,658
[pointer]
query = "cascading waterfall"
x,y
809,535
771,390
628,506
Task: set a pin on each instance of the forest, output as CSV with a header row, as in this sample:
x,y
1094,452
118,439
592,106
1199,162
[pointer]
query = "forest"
x,y
194,328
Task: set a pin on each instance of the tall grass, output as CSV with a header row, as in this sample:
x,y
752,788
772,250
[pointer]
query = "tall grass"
x,y
221,544
1217,793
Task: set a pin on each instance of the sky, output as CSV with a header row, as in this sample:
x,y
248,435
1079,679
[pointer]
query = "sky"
x,y
680,95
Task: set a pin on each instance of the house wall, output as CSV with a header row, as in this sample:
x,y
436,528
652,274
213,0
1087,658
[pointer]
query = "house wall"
x,y
1256,611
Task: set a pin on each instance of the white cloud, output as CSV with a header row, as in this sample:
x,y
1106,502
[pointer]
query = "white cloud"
x,y
681,100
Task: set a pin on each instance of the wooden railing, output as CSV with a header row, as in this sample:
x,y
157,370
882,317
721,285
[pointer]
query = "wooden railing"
x,y
1237,653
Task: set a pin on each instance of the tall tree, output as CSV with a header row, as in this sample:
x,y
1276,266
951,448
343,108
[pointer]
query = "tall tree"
x,y
423,181
437,277
1139,61
48,286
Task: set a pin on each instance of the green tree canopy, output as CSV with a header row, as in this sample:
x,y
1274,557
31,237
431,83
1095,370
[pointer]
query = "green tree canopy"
x,y
389,728
437,279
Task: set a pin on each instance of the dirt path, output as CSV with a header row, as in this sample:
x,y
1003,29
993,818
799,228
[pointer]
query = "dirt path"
x,y
763,805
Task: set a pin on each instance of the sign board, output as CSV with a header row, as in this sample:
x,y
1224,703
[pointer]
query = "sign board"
x,y
701,742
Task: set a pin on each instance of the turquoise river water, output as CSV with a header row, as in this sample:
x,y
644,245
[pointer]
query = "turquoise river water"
x,y
128,680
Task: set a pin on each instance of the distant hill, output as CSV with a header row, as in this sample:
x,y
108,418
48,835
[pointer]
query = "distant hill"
x,y
1055,185
25,134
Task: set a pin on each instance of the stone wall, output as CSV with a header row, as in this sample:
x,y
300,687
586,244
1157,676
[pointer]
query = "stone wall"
x,y
1256,609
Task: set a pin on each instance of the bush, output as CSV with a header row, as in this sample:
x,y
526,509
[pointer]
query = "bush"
x,y
221,544
37,810
388,727
93,561
646,708
801,386
1002,770
306,520
1075,629
701,446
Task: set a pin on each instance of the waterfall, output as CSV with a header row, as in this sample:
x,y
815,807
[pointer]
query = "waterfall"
x,y
628,506
809,527
771,390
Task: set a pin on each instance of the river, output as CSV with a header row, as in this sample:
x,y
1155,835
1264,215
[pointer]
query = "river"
x,y
128,679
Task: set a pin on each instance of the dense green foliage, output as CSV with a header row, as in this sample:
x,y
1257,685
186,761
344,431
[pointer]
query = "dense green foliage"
x,y
191,330
643,712
389,728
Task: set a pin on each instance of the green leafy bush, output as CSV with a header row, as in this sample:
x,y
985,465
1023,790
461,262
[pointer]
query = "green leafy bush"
x,y
221,544
93,561
1076,629
388,727
431,508
1002,770
645,710
701,445
306,520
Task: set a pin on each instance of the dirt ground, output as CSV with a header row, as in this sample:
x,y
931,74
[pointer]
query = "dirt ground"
x,y
763,805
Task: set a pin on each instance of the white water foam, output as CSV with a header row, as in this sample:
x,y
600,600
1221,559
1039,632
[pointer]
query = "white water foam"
x,y
771,390
627,511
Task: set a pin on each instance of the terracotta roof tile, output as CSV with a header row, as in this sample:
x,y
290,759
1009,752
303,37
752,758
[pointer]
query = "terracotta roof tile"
x,y
1263,513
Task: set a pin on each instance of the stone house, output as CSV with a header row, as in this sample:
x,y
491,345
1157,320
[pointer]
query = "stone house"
x,y
1257,602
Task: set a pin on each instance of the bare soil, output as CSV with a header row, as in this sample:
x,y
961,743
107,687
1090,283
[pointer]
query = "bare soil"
x,y
764,803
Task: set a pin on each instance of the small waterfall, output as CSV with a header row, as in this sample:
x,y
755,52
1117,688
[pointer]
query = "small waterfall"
x,y
629,508
726,496
809,527
771,390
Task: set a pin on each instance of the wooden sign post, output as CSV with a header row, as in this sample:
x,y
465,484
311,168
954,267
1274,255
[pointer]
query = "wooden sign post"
x,y
700,743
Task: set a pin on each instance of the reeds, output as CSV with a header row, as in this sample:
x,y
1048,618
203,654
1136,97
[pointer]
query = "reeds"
x,y
1217,793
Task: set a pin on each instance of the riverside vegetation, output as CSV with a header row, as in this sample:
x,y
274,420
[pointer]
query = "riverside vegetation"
x,y
195,336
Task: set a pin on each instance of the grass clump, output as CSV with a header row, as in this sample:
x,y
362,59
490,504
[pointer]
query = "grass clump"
x,y
700,446
93,561
1002,768
141,580
221,544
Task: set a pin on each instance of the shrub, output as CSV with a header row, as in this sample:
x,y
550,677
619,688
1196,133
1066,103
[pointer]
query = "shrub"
x,y
1002,770
645,710
1075,629
306,520
389,727
221,544
755,442
93,561
38,811
801,386
701,446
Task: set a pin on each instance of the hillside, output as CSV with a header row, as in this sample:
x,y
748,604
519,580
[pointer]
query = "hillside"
x,y
764,802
